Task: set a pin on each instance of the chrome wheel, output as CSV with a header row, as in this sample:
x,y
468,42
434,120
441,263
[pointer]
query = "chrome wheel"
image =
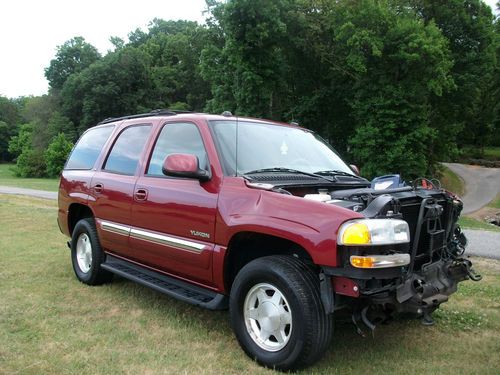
x,y
84,252
268,317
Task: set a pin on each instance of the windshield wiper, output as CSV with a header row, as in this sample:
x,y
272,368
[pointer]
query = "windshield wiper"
x,y
287,170
335,172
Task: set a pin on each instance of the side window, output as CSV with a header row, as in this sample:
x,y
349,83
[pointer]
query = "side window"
x,y
127,150
177,138
88,148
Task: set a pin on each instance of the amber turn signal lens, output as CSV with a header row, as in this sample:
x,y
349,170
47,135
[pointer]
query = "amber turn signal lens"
x,y
380,261
362,262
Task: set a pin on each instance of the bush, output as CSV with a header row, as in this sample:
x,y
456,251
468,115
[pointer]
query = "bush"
x,y
56,154
31,163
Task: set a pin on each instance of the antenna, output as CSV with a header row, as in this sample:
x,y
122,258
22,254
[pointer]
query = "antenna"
x,y
237,139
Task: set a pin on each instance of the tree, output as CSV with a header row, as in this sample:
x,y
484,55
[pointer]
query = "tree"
x,y
38,111
30,162
115,85
59,123
464,114
22,140
9,117
250,68
398,65
57,153
71,57
4,141
174,49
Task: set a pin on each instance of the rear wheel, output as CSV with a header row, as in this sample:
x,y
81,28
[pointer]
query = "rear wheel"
x,y
277,314
87,254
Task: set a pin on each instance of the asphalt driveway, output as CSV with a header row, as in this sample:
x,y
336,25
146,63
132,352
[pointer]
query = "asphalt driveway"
x,y
482,185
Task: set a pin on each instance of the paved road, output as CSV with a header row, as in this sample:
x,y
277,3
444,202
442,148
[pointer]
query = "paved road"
x,y
483,243
482,185
28,192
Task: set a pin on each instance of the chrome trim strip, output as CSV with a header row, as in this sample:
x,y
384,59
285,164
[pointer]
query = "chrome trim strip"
x,y
167,240
115,228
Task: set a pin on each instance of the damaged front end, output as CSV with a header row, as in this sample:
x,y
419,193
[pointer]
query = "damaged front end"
x,y
381,272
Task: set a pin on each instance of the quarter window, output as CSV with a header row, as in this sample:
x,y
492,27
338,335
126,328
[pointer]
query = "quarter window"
x,y
88,148
177,138
126,151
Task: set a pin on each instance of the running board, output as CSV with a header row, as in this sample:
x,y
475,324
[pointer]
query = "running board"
x,y
166,284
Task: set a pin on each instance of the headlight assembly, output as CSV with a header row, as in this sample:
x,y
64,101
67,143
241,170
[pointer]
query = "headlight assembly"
x,y
366,232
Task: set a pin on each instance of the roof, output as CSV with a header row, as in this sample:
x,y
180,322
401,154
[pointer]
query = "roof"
x,y
185,115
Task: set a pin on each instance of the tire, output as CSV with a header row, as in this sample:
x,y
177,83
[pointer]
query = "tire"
x,y
87,254
304,340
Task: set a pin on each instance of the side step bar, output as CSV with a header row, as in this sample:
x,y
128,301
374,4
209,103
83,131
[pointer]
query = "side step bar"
x,y
166,284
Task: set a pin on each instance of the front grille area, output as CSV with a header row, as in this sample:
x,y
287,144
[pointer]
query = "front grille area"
x,y
434,230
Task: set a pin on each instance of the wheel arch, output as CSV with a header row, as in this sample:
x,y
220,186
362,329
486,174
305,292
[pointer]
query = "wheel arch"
x,y
247,246
76,212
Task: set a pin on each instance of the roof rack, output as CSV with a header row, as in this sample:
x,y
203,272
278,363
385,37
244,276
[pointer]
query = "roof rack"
x,y
154,112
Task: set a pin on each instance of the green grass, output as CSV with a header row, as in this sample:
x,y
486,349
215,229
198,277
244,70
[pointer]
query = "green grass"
x,y
52,324
492,153
488,153
451,182
495,203
7,178
471,223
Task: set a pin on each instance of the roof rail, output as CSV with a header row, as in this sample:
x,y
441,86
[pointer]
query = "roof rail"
x,y
154,112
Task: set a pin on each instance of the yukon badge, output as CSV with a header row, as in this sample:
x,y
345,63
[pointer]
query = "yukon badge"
x,y
199,234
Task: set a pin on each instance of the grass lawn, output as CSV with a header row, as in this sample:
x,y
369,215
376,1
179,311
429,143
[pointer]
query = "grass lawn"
x,y
7,178
471,223
451,181
52,324
474,220
492,153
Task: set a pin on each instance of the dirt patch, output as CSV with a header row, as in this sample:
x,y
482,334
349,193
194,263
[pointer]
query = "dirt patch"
x,y
484,213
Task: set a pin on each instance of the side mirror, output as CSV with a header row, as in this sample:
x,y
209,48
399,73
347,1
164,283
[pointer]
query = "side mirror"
x,y
355,169
184,165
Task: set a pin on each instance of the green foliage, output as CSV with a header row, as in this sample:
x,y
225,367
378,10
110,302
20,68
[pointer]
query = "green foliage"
x,y
9,116
56,154
398,65
59,123
21,141
31,163
394,85
4,141
115,85
72,57
9,111
249,68
465,114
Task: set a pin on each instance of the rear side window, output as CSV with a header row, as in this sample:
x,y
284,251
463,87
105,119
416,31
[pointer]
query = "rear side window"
x,y
88,148
126,151
177,138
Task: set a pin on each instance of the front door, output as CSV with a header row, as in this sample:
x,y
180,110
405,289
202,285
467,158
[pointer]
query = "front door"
x,y
173,219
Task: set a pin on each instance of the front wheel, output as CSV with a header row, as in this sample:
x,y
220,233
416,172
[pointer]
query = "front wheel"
x,y
277,314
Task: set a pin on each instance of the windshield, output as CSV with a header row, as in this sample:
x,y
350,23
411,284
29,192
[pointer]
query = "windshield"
x,y
262,146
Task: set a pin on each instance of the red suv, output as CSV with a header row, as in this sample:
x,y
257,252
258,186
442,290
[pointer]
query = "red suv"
x,y
261,217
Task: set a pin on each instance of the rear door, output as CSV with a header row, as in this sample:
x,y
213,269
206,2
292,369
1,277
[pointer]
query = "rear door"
x,y
113,188
173,218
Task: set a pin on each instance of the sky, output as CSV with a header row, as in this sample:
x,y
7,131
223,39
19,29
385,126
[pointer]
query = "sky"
x,y
31,30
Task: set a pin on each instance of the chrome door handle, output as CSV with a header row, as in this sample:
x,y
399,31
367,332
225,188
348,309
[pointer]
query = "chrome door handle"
x,y
141,194
98,188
